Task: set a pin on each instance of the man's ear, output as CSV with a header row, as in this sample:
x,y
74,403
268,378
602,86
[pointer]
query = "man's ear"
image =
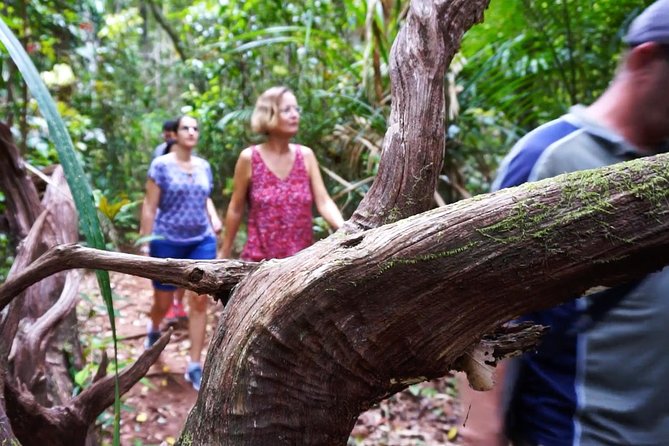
x,y
641,56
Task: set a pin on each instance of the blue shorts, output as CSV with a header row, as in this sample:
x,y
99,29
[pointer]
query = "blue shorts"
x,y
202,250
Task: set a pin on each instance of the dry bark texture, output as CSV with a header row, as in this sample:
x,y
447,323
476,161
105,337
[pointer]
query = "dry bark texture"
x,y
309,342
216,278
360,316
69,424
39,321
414,142
405,185
31,225
32,330
24,207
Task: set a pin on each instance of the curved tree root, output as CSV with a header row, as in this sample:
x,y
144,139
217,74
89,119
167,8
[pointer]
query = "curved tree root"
x,y
36,425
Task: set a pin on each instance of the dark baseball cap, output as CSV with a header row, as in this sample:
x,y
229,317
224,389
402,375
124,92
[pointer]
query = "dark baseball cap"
x,y
652,25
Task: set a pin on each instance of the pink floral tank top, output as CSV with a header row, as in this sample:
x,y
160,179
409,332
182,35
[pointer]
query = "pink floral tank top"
x,y
279,211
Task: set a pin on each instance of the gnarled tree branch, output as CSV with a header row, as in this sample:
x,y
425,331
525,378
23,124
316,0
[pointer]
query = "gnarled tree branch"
x,y
414,143
9,321
30,347
215,277
68,424
358,317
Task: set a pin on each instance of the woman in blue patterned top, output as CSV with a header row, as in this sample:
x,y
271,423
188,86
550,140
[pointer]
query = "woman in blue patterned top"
x,y
175,211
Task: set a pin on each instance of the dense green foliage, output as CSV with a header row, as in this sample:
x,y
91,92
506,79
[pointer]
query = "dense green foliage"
x,y
118,69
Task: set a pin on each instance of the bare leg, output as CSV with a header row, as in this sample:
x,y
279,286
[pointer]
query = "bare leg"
x,y
161,303
197,326
482,412
179,295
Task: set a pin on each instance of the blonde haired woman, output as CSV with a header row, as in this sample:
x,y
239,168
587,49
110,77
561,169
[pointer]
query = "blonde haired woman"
x,y
278,182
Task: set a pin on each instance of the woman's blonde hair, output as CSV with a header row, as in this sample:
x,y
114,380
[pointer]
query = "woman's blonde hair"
x,y
263,119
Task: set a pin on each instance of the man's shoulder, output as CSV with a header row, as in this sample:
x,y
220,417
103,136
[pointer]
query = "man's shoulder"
x,y
553,131
580,150
517,165
159,150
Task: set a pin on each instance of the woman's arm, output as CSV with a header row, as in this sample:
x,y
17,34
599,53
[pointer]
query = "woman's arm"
x,y
233,216
216,224
326,207
214,219
149,207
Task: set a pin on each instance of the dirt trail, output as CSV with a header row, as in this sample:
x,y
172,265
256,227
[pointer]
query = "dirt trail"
x,y
154,410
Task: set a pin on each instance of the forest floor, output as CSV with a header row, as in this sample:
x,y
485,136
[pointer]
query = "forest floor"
x,y
155,409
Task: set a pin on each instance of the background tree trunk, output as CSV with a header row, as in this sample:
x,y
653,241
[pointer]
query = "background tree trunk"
x,y
23,205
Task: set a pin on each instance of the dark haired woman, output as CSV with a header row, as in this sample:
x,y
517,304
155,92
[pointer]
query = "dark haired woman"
x,y
175,211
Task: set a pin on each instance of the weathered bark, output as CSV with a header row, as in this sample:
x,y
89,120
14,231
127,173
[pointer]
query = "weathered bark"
x,y
404,186
24,206
216,277
9,321
57,224
309,342
68,425
39,322
48,309
32,332
414,142
29,358
61,226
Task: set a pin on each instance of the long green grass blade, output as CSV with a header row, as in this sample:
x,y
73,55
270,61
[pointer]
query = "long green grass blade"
x,y
264,42
81,190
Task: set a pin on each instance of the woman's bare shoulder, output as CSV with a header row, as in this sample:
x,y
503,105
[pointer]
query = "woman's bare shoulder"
x,y
307,152
246,154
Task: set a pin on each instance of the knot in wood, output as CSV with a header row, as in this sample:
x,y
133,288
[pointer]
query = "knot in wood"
x,y
196,275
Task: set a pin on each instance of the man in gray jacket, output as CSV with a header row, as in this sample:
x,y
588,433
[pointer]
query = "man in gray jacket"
x,y
601,375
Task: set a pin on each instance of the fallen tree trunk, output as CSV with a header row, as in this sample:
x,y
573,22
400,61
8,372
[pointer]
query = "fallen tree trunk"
x,y
311,341
358,317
